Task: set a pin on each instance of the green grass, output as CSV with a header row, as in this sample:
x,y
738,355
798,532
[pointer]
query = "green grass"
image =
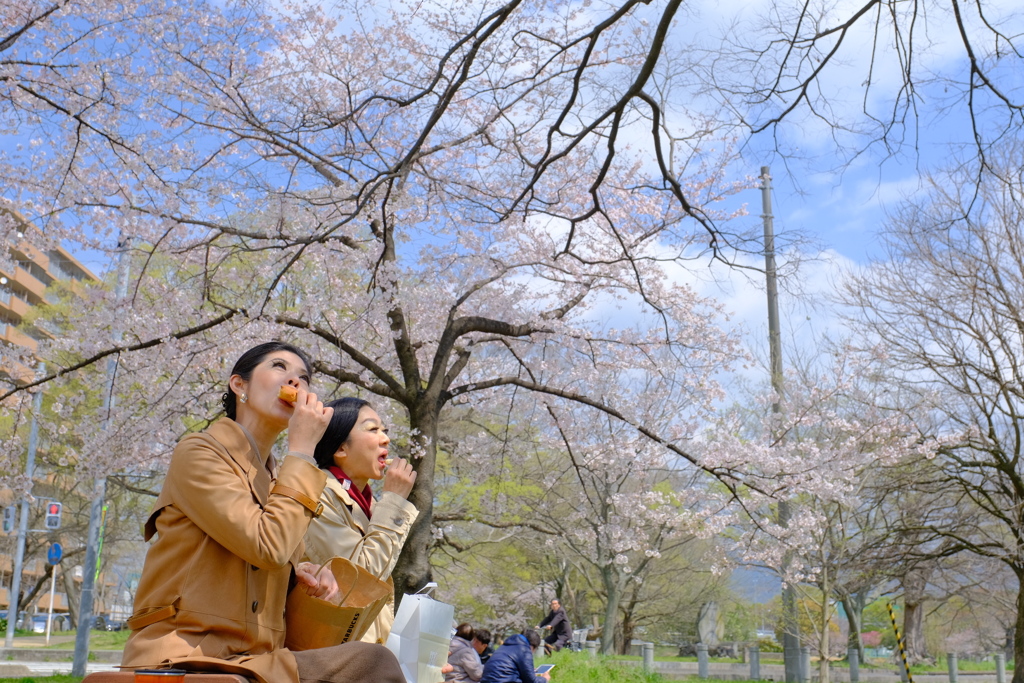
x,y
98,640
577,667
570,667
674,658
961,665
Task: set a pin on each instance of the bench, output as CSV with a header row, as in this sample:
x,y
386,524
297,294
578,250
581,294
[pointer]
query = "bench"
x,y
129,677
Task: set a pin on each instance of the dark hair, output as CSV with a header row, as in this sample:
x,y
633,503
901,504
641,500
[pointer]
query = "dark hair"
x,y
482,635
533,637
464,630
248,361
346,411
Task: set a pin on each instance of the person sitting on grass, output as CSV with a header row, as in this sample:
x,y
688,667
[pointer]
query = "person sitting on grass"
x,y
513,661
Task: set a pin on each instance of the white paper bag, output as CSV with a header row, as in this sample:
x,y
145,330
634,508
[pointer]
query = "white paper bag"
x,y
420,637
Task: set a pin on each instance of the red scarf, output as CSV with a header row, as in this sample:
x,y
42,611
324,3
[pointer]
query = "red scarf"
x,y
362,498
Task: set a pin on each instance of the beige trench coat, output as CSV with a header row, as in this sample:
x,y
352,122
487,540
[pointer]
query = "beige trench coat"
x,y
214,583
344,531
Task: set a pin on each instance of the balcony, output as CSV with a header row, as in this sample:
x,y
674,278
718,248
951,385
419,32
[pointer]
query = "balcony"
x,y
47,328
27,280
21,374
32,254
60,602
15,336
14,303
71,265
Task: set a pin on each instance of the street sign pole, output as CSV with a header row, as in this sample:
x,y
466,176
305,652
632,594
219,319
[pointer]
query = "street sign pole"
x,y
19,552
49,612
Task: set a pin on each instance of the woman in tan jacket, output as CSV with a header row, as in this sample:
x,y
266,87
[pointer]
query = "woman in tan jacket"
x,y
228,525
370,533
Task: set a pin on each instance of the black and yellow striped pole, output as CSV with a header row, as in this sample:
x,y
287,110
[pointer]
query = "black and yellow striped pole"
x,y
899,642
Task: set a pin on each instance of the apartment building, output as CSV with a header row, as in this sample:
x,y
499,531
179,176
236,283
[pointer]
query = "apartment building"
x,y
24,280
23,285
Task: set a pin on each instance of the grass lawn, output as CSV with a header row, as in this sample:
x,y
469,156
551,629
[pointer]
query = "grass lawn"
x,y
578,667
98,640
570,667
674,658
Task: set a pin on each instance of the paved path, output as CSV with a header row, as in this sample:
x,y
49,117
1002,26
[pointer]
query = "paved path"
x,y
57,668
40,641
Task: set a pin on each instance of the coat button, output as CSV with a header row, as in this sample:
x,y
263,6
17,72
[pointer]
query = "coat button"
x,y
398,521
255,604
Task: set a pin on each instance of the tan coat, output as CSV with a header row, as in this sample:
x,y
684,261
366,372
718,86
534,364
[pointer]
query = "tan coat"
x,y
344,531
214,583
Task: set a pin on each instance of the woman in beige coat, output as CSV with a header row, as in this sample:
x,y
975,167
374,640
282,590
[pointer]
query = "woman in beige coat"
x,y
370,533
228,525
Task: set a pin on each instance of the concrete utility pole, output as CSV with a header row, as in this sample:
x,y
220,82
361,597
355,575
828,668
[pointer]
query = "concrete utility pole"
x,y
19,552
791,630
99,490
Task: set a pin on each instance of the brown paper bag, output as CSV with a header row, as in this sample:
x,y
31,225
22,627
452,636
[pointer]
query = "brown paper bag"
x,y
312,623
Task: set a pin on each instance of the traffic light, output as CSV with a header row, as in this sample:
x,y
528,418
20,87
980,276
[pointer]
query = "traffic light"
x,y
9,513
52,515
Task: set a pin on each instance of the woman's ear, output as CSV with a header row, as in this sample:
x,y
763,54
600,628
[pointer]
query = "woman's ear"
x,y
237,385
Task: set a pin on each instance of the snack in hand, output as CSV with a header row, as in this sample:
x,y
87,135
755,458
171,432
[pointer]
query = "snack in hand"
x,y
388,461
288,393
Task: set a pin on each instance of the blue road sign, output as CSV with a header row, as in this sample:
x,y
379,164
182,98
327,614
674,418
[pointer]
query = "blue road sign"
x,y
54,553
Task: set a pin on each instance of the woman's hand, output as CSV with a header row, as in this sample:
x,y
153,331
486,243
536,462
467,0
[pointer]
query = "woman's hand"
x,y
308,422
323,586
399,477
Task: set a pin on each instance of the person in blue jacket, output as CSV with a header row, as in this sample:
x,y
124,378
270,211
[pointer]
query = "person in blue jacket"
x,y
513,661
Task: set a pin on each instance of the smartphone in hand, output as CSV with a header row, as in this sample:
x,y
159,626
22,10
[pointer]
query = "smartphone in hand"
x,y
543,668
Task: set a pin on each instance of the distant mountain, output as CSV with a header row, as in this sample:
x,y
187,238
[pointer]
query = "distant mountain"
x,y
755,585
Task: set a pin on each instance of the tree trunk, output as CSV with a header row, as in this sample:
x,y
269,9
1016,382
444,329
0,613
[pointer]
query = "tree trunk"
x,y
627,635
611,609
27,598
73,595
628,609
914,584
1018,631
824,642
913,633
853,605
412,571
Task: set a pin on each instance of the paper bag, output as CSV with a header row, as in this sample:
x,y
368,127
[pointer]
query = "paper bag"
x,y
312,623
420,637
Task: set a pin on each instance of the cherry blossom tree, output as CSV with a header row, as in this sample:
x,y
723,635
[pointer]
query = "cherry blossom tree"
x,y
441,201
609,510
946,303
430,225
835,425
